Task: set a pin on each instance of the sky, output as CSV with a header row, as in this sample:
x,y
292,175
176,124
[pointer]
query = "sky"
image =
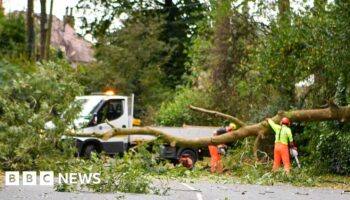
x,y
59,8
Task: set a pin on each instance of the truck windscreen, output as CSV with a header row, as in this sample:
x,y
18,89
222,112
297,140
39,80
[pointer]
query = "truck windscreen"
x,y
88,106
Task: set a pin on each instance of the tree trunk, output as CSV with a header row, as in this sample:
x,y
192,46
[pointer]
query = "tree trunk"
x,y
48,38
43,19
283,10
1,8
30,30
283,7
262,129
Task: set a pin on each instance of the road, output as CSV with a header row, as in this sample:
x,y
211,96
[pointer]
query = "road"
x,y
184,191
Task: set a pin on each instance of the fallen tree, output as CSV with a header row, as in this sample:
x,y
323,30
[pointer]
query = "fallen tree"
x,y
259,130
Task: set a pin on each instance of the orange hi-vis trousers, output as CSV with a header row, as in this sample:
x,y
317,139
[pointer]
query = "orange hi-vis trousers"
x,y
281,152
216,165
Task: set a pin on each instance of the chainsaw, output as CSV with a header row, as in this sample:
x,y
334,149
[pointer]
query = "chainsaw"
x,y
294,154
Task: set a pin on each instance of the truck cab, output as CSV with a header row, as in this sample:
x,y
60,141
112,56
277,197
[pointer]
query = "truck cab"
x,y
96,109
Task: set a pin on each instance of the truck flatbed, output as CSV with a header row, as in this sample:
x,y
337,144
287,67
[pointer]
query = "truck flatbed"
x,y
184,132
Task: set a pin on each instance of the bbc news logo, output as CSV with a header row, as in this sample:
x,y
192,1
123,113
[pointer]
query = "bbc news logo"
x,y
47,178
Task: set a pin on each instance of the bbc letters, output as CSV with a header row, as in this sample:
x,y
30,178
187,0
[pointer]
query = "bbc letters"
x,y
48,178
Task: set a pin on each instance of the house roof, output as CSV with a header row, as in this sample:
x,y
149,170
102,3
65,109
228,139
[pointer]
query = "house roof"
x,y
76,48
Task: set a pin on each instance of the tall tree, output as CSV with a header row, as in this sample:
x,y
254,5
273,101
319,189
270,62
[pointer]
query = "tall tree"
x,y
283,9
30,30
180,23
43,29
233,33
48,38
173,32
283,6
1,8
132,59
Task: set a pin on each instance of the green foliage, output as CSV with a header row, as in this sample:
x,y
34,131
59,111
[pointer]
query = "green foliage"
x,y
122,175
230,63
313,43
218,60
30,96
335,149
12,34
180,19
130,173
177,113
130,61
179,22
310,43
329,141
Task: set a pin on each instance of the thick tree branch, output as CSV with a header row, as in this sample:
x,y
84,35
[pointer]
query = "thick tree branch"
x,y
261,129
216,114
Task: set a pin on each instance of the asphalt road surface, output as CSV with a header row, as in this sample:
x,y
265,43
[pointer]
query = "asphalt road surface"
x,y
184,191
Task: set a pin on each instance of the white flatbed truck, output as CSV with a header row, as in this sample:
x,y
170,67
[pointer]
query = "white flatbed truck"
x,y
118,110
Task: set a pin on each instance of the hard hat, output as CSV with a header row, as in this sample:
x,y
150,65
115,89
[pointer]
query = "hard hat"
x,y
232,125
285,121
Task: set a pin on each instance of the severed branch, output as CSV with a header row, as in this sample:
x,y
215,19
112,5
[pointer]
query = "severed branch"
x,y
216,114
341,113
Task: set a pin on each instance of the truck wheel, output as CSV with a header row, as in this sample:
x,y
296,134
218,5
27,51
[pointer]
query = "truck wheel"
x,y
89,149
188,154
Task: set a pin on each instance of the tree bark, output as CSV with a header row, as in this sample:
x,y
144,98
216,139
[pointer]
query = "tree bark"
x,y
1,8
30,30
43,19
283,7
262,129
48,38
284,10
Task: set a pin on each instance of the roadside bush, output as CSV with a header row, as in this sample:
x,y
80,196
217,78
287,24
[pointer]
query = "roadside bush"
x,y
334,148
325,147
30,96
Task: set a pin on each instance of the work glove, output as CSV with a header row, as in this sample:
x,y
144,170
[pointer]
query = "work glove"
x,y
296,149
222,149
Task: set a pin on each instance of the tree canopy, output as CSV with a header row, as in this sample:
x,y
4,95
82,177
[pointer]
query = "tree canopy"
x,y
248,59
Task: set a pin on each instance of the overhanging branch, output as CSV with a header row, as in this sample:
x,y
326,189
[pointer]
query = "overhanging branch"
x,y
219,114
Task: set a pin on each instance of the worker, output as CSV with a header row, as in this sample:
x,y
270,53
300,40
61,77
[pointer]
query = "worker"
x,y
215,151
283,138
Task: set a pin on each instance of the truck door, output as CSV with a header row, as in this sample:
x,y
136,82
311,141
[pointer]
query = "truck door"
x,y
115,112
